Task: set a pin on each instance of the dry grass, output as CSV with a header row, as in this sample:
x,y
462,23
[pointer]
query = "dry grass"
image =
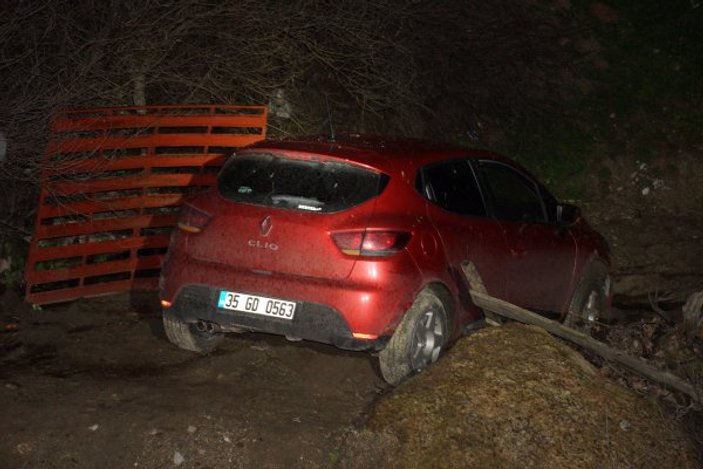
x,y
515,397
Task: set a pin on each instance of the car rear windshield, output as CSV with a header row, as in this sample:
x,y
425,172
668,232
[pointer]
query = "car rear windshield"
x,y
314,186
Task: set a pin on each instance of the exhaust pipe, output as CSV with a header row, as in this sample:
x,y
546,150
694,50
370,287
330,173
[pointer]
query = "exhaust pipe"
x,y
204,326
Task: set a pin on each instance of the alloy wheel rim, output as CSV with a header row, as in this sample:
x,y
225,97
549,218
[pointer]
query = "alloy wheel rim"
x,y
427,340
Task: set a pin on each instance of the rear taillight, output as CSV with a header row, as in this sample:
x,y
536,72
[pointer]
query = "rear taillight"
x,y
370,243
192,219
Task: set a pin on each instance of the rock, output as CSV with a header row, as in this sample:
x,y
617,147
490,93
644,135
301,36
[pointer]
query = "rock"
x,y
24,449
178,458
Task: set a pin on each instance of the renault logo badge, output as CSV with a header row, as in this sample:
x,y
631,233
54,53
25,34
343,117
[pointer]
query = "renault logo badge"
x,y
265,226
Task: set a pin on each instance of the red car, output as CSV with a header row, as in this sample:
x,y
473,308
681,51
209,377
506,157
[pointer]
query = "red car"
x,y
358,242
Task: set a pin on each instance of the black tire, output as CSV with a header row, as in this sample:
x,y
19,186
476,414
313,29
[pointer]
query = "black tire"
x,y
588,303
418,340
188,337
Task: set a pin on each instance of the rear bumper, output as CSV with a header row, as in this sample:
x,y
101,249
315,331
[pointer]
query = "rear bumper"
x,y
312,321
356,313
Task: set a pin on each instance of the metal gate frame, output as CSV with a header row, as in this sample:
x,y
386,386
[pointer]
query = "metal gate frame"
x,y
112,182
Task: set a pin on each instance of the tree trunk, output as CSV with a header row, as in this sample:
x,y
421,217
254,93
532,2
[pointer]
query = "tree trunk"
x,y
139,96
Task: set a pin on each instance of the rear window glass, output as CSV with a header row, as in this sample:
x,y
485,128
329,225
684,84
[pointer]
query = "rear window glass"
x,y
313,186
453,186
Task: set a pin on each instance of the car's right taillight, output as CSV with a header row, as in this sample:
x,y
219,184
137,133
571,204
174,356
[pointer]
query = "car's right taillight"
x,y
192,219
370,243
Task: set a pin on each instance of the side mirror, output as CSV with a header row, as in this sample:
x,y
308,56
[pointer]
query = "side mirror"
x,y
567,214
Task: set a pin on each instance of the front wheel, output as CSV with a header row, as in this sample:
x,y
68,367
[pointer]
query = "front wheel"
x,y
588,303
418,340
188,337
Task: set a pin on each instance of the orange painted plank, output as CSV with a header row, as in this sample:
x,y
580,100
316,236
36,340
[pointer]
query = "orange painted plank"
x,y
87,249
111,224
133,182
73,145
68,294
152,161
103,268
96,206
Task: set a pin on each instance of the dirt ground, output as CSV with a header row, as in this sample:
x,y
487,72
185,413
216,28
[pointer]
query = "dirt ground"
x,y
95,383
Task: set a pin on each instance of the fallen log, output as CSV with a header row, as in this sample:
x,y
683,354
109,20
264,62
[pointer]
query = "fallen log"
x,y
495,306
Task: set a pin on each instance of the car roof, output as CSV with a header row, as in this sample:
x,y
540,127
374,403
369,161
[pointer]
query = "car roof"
x,y
385,153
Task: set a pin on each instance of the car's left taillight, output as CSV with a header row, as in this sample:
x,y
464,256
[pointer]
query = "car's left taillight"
x,y
366,243
193,219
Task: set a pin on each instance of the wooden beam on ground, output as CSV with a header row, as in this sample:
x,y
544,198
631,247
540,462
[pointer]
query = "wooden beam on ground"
x,y
476,285
502,308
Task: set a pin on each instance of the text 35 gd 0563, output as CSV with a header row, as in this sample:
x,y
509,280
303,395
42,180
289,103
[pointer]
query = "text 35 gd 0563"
x,y
262,305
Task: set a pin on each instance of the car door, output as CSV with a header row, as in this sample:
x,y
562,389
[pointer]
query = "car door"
x,y
541,256
457,209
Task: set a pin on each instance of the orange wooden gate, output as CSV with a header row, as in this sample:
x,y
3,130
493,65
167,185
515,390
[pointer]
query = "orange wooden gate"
x,y
112,183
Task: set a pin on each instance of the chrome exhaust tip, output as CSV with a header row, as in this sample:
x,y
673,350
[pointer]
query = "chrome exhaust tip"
x,y
201,326
206,326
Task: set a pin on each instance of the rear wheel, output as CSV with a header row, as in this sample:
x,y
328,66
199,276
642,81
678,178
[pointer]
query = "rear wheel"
x,y
588,303
188,337
418,340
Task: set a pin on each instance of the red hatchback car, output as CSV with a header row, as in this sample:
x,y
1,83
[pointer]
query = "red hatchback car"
x,y
358,242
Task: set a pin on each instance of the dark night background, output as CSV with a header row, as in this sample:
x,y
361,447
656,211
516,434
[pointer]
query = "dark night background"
x,y
602,100
566,86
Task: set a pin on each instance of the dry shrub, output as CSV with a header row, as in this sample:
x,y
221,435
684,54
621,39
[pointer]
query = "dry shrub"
x,y
397,66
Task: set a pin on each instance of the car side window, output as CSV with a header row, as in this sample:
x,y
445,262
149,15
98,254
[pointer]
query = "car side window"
x,y
452,185
513,196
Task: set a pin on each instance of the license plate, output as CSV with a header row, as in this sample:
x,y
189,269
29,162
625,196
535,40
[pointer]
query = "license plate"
x,y
253,304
